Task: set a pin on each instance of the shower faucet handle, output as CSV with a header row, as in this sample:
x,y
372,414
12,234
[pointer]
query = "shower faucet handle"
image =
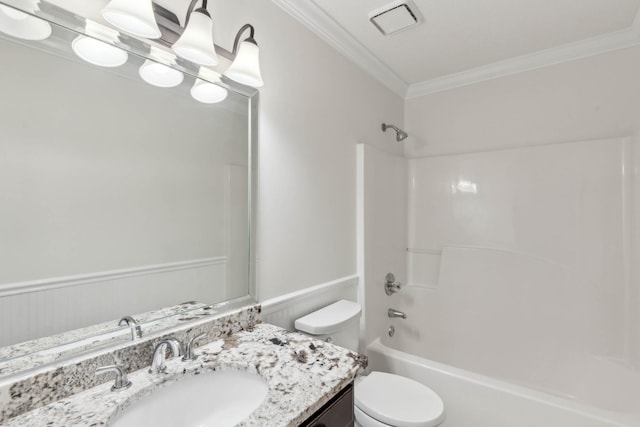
x,y
391,285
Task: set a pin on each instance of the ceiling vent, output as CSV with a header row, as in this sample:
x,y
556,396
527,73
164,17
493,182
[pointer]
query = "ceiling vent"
x,y
395,17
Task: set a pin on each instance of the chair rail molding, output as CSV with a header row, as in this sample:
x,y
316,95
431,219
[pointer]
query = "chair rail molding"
x,y
103,276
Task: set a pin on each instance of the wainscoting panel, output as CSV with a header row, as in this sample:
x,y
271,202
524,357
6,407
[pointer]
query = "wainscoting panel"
x,y
51,306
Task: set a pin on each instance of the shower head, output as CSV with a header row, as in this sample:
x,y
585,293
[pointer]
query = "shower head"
x,y
400,134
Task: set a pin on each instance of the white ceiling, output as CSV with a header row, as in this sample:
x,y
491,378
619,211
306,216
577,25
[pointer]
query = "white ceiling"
x,y
464,41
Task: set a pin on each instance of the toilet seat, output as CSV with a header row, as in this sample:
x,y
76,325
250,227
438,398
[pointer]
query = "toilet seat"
x,y
364,420
397,401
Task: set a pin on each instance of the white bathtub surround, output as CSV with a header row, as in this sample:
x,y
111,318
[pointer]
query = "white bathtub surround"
x,y
481,401
302,373
520,268
532,339
28,390
523,264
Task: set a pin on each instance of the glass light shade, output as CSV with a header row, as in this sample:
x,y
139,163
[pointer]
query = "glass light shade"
x,y
133,16
245,68
208,93
99,53
17,23
159,74
196,42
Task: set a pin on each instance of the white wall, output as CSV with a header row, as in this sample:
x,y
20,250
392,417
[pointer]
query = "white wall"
x,y
314,108
589,99
382,236
592,98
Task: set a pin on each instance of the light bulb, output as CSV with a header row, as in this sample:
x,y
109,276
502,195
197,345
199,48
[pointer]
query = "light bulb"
x,y
133,16
196,42
245,68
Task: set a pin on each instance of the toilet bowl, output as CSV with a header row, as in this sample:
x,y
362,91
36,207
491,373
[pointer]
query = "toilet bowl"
x,y
380,399
383,400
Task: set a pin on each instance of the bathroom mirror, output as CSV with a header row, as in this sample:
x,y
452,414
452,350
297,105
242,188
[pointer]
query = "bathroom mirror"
x,y
117,197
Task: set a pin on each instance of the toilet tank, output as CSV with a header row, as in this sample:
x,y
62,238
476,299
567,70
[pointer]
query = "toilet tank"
x,y
337,323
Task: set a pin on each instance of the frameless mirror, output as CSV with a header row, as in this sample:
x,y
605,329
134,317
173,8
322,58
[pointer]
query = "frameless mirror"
x,y
118,197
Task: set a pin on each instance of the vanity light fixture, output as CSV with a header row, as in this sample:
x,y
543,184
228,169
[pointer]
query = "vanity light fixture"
x,y
17,23
206,91
245,68
97,52
196,42
135,17
157,72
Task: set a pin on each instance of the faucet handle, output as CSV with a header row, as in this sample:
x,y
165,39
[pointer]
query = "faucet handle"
x,y
159,354
121,382
136,330
189,354
391,285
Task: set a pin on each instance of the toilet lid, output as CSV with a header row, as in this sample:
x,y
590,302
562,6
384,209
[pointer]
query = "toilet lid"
x,y
398,401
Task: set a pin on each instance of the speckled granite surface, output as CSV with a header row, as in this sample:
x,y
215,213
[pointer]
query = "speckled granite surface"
x,y
46,384
46,350
302,374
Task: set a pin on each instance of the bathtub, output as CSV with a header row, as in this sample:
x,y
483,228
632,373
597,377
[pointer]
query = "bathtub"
x,y
474,400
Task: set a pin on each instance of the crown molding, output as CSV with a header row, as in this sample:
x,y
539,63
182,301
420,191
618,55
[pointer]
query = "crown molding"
x,y
556,55
319,22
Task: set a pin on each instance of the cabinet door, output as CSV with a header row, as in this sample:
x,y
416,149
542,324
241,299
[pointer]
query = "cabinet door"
x,y
338,412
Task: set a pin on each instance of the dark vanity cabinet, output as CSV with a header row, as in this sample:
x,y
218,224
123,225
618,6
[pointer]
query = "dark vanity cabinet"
x,y
338,412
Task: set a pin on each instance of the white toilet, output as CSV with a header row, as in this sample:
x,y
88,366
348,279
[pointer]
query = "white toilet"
x,y
381,399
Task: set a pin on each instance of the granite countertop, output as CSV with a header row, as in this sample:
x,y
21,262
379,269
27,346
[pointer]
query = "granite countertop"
x,y
47,350
302,374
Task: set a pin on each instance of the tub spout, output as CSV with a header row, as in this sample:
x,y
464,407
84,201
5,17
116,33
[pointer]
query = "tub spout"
x,y
395,313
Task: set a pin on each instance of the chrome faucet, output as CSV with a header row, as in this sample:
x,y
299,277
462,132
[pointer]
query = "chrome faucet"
x,y
396,313
122,382
189,354
136,330
159,354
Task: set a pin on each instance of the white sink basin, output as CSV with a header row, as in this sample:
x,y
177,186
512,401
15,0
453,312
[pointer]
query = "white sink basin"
x,y
217,399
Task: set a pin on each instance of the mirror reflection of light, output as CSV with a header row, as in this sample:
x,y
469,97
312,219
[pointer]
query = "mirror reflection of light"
x,y
98,53
206,91
464,186
22,25
160,75
157,72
